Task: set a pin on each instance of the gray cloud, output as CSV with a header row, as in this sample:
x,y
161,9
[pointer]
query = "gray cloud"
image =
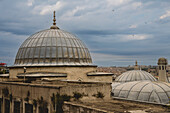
x,y
133,31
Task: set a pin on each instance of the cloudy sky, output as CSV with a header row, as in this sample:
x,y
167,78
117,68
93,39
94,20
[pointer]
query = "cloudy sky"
x,y
117,32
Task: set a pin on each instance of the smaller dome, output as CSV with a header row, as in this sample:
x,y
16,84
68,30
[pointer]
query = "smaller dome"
x,y
143,91
162,61
135,75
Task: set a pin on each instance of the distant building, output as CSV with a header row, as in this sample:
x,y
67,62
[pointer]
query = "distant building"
x,y
141,86
162,66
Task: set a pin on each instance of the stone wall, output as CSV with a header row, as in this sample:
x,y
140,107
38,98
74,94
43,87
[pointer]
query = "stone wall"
x,y
103,78
73,72
26,93
88,89
69,107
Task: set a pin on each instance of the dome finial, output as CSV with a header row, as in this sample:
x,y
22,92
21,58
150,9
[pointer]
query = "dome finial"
x,y
136,63
136,67
54,19
54,24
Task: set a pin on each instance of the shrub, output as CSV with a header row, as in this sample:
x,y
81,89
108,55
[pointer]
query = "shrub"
x,y
28,95
10,97
42,105
66,97
98,95
77,95
35,103
58,101
5,91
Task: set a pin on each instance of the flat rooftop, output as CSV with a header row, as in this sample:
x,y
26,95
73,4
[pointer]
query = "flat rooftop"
x,y
120,106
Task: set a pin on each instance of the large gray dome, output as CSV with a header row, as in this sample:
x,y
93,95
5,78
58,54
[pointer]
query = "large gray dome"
x,y
144,91
52,47
135,75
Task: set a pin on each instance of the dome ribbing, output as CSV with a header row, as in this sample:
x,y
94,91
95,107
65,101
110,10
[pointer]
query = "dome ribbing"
x,y
135,75
144,91
53,47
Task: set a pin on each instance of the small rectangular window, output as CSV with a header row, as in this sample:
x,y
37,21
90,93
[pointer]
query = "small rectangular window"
x,y
27,53
44,42
36,54
60,52
48,41
35,42
31,52
39,42
65,52
75,53
53,41
63,42
53,52
162,67
70,50
48,52
58,41
42,52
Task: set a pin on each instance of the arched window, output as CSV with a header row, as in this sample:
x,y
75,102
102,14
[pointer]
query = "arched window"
x,y
162,67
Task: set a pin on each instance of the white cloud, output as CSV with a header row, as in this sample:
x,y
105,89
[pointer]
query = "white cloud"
x,y
9,45
109,57
117,2
137,4
83,9
30,2
74,11
167,14
7,35
134,37
133,26
45,9
122,38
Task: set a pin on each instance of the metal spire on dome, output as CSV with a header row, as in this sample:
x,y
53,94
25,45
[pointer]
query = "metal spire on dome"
x,y
136,63
54,24
136,67
54,19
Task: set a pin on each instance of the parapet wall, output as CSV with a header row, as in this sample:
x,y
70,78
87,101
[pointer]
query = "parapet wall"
x,y
46,90
69,107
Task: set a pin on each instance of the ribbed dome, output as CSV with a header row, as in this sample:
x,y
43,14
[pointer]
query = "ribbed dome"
x,y
135,75
144,91
52,47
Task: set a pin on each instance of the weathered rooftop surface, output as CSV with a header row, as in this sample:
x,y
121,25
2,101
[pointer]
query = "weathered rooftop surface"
x,y
118,106
51,83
